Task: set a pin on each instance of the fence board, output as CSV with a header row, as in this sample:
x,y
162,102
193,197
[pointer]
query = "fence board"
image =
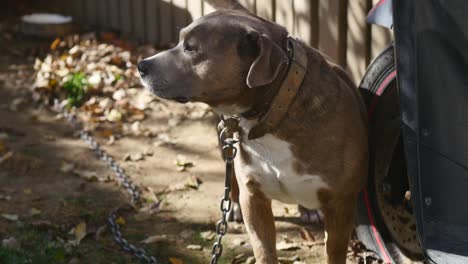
x,y
126,17
152,21
356,50
342,31
166,22
285,14
315,23
102,15
76,11
180,17
207,8
265,9
114,14
195,7
328,28
90,13
302,21
249,4
138,20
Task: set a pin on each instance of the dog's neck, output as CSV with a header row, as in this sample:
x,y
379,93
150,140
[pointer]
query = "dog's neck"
x,y
271,103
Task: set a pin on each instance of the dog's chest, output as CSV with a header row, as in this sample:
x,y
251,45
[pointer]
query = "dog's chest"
x,y
271,164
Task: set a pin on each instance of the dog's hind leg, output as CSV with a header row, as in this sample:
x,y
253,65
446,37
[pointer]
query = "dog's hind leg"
x,y
339,224
260,224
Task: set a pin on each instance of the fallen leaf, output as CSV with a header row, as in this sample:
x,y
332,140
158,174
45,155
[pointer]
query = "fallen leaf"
x,y
15,103
27,191
90,176
193,182
154,239
239,242
187,233
11,217
80,232
164,138
150,195
3,136
133,157
182,163
100,232
148,152
283,245
208,235
6,156
33,211
290,260
114,116
239,259
312,244
55,44
178,186
120,221
5,197
2,147
147,210
111,140
66,167
195,247
136,157
306,235
176,261
49,137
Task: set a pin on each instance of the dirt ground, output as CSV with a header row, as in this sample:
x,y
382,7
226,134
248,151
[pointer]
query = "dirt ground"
x,y
55,195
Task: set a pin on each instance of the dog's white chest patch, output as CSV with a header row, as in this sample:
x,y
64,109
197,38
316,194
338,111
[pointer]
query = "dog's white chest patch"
x,y
272,166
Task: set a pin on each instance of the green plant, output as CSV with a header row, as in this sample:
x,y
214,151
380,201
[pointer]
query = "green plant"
x,y
75,89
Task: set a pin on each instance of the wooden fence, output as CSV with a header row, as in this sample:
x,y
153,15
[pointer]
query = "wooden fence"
x,y
336,27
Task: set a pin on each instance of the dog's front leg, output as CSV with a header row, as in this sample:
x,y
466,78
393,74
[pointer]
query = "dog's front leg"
x,y
259,221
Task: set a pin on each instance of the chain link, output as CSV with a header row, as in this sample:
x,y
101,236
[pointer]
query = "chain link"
x,y
123,179
229,153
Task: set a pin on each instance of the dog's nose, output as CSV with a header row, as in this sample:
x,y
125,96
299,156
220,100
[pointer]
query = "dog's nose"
x,y
143,67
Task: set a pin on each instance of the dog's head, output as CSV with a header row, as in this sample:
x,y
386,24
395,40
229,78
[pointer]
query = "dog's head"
x,y
218,59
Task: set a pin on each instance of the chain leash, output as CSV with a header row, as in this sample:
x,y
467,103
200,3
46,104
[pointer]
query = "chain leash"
x,y
229,152
124,180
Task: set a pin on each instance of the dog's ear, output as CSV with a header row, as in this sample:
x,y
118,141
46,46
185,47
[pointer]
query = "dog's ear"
x,y
268,63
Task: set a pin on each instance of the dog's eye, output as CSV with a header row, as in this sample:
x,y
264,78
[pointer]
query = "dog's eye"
x,y
189,46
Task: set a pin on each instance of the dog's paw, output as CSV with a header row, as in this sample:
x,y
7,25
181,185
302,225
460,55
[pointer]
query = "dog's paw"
x,y
313,217
235,214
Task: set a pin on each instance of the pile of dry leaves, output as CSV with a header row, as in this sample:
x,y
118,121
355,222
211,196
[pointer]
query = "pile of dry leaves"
x,y
99,79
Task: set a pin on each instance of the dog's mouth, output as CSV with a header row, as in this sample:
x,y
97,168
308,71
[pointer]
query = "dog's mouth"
x,y
160,89
162,92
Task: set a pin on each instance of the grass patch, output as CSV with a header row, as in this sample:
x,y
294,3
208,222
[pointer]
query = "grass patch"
x,y
8,256
36,247
75,89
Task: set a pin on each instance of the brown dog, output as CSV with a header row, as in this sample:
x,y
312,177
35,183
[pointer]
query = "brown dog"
x,y
303,125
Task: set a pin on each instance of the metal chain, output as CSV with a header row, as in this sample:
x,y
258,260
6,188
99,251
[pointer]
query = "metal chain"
x,y
229,153
124,180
